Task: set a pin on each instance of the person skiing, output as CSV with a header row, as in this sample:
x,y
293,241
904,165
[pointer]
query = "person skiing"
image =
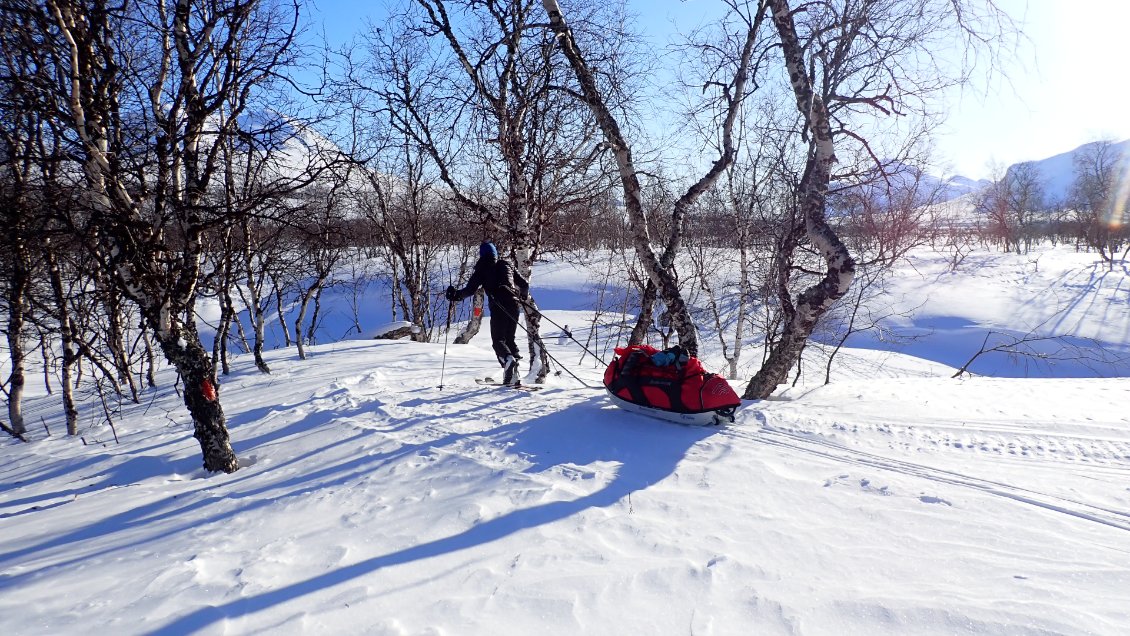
x,y
505,288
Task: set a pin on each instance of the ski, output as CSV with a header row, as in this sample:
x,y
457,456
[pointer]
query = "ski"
x,y
518,387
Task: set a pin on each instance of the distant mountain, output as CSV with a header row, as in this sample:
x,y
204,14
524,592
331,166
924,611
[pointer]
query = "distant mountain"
x,y
1058,172
959,186
899,180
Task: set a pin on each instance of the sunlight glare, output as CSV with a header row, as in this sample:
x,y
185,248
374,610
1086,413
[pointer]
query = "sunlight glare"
x,y
1116,211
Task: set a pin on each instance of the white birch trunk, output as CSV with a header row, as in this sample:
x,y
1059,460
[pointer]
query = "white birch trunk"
x,y
813,302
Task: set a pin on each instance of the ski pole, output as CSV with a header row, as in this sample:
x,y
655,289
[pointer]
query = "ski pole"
x,y
446,329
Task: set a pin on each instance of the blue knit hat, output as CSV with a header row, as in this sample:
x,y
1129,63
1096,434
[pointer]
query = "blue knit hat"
x,y
488,249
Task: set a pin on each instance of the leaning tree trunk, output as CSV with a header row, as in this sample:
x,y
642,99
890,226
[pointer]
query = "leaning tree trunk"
x,y
307,296
633,198
181,346
666,285
659,269
476,321
179,341
813,189
643,319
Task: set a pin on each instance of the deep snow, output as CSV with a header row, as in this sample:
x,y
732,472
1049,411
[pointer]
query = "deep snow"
x,y
893,501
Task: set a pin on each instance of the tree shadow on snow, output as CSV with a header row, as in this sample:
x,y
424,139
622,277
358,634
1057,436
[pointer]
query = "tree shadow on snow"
x,y
645,450
196,497
247,489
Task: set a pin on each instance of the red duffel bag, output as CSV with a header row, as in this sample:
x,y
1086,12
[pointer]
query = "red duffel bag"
x,y
669,380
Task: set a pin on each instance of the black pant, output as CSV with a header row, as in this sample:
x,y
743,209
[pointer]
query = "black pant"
x,y
503,326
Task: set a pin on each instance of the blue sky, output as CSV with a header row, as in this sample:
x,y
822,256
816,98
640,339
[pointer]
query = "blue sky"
x,y
1065,85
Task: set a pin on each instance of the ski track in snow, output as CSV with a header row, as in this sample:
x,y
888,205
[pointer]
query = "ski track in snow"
x,y
815,444
988,437
1053,461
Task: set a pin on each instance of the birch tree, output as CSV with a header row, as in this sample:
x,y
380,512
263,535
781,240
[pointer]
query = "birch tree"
x,y
1100,202
850,64
29,165
16,265
731,90
151,90
404,212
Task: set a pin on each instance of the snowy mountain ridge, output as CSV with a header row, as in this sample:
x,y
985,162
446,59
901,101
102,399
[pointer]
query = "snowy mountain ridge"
x,y
1057,173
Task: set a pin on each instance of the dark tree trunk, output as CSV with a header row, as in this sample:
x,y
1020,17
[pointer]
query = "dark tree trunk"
x,y
311,293
66,340
311,336
182,348
223,329
643,320
282,316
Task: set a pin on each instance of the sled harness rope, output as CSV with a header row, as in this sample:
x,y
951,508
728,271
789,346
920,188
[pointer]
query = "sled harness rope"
x,y
570,335
546,352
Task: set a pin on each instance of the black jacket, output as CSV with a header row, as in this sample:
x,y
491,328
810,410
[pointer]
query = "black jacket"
x,y
502,283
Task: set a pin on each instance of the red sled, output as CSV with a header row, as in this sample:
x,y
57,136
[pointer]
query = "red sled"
x,y
670,385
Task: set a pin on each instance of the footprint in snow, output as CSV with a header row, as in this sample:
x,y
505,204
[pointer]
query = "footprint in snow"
x,y
865,484
837,478
933,500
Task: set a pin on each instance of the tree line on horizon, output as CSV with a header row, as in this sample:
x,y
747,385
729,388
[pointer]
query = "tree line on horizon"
x,y
1017,209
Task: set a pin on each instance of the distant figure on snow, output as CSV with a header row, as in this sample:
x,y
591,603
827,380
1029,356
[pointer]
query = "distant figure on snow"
x,y
564,336
505,287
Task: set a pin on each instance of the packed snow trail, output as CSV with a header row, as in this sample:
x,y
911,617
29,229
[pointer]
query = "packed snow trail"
x,y
816,445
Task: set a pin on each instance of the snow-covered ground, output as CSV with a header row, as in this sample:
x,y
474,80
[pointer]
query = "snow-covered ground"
x,y
370,501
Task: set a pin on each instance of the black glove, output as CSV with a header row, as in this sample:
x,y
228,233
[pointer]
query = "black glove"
x,y
451,294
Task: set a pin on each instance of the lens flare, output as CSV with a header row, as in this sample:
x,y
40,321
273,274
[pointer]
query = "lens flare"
x,y
1116,211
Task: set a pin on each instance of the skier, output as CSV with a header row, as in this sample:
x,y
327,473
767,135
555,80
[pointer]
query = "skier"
x,y
563,337
505,288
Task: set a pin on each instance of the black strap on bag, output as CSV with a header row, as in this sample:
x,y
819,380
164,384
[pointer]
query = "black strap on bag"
x,y
628,377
